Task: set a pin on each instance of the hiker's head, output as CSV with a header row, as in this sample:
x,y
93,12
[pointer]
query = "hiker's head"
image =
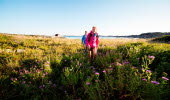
x,y
85,32
94,29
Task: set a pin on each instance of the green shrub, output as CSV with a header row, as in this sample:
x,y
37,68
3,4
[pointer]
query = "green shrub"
x,y
164,39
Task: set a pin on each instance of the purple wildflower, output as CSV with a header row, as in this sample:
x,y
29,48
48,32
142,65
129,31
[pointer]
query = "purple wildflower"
x,y
43,86
152,57
165,78
97,73
126,63
93,67
119,64
104,71
12,79
38,71
50,82
87,83
15,79
40,87
23,82
47,62
149,71
96,81
118,59
46,73
134,67
144,79
21,73
94,71
43,76
155,82
54,85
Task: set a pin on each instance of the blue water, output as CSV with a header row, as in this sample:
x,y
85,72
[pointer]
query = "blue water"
x,y
80,37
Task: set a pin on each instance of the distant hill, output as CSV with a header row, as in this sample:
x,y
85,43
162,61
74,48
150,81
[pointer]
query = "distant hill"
x,y
153,34
164,39
148,35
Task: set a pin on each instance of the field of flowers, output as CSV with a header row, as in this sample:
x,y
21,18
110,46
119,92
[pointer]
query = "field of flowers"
x,y
42,68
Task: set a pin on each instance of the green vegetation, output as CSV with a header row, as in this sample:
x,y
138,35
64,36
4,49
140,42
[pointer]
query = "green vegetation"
x,y
164,39
149,35
57,68
154,34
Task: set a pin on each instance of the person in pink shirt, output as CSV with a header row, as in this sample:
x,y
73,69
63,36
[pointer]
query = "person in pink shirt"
x,y
92,42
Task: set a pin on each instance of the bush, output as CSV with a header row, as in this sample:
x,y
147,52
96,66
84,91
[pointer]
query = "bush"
x,y
164,39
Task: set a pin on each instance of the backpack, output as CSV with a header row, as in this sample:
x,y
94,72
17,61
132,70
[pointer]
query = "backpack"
x,y
91,35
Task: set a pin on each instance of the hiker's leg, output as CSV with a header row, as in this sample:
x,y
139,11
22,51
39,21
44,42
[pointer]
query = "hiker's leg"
x,y
89,52
94,52
86,48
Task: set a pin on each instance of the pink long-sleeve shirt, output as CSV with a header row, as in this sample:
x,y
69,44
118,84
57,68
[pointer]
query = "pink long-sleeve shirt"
x,y
92,40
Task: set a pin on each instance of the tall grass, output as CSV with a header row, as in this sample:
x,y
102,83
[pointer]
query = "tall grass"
x,y
58,68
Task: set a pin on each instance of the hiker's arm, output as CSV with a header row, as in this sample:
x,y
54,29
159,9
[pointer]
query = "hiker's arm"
x,y
97,40
87,40
82,39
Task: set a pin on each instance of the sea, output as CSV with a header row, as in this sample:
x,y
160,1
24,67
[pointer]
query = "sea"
x,y
100,37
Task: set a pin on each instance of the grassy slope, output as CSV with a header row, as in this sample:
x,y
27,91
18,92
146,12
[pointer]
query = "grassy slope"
x,y
163,39
48,68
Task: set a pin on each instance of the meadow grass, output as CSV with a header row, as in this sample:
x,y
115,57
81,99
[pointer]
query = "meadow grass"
x,y
58,68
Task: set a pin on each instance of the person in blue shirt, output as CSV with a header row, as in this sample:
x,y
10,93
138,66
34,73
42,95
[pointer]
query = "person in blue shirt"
x,y
84,39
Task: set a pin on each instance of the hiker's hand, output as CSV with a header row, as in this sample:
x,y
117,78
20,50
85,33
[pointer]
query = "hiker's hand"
x,y
88,46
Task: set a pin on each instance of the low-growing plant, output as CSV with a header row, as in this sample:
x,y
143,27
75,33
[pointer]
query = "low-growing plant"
x,y
54,68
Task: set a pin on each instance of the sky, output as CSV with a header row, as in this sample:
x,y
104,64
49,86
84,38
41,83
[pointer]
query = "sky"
x,y
73,17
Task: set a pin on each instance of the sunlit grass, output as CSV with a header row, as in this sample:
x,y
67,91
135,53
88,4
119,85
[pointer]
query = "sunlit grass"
x,y
50,68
